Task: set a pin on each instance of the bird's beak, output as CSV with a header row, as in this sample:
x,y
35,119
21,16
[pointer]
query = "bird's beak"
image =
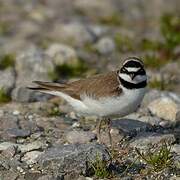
x,y
132,75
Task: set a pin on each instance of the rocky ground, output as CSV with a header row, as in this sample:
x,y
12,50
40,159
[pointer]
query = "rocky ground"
x,y
40,136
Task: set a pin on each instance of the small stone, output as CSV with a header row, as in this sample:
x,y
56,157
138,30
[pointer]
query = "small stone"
x,y
16,113
72,33
9,152
20,169
76,124
47,177
97,9
128,125
72,158
143,140
74,137
31,146
105,45
62,54
164,108
176,148
14,132
6,145
30,157
31,64
7,80
1,113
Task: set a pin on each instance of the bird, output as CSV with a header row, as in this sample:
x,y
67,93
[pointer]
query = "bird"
x,y
107,95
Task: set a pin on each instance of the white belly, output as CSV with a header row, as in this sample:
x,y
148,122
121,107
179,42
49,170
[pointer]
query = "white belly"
x,y
121,106
125,104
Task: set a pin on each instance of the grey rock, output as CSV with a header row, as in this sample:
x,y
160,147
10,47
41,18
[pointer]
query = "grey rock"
x,y
152,120
67,159
176,148
6,145
98,9
72,33
15,132
62,54
152,95
31,157
143,140
36,145
8,121
74,136
47,177
9,152
98,30
32,64
105,45
130,125
10,175
7,80
164,108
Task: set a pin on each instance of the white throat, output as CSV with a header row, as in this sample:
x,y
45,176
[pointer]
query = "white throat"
x,y
136,80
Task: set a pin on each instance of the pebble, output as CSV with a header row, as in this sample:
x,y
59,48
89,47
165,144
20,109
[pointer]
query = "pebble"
x,y
176,148
164,108
105,45
9,152
144,139
72,158
31,146
14,132
31,157
16,113
74,136
62,54
6,145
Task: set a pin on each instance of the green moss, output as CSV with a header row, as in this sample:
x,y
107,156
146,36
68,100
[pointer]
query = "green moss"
x,y
100,167
8,60
4,98
44,42
157,158
147,44
170,29
152,61
66,70
4,28
54,111
156,84
123,43
113,20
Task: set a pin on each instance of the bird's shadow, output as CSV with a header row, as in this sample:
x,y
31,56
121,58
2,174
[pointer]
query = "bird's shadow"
x,y
135,127
128,125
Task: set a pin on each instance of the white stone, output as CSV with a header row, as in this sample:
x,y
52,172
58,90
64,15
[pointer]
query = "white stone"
x,y
62,54
6,145
164,108
80,136
30,157
105,45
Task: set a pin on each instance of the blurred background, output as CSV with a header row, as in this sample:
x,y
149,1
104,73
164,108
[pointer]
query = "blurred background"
x,y
59,40
63,40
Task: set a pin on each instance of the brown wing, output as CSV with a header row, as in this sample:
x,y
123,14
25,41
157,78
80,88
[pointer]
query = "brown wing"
x,y
96,86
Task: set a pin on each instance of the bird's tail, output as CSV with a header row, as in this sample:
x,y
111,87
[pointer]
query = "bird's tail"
x,y
47,86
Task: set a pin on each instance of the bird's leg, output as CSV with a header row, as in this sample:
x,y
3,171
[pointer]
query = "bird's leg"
x,y
109,124
98,129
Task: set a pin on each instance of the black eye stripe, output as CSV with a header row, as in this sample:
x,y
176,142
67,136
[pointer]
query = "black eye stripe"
x,y
139,72
133,64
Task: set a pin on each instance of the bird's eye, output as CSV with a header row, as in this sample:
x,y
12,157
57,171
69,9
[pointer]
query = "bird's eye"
x,y
141,71
123,70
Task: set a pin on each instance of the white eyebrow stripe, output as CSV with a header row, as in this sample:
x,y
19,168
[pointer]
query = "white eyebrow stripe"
x,y
132,60
132,69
